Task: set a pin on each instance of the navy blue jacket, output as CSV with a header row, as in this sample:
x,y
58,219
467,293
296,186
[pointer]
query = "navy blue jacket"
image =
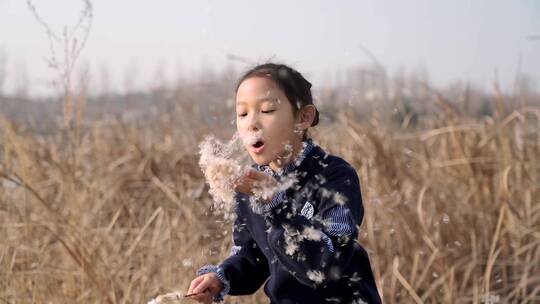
x,y
303,245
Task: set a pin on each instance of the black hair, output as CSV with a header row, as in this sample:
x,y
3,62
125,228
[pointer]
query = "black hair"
x,y
291,82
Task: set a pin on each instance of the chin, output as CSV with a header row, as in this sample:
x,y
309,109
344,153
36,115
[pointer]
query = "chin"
x,y
260,160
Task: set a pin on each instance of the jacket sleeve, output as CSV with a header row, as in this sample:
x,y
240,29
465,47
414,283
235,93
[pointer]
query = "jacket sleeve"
x,y
246,269
316,249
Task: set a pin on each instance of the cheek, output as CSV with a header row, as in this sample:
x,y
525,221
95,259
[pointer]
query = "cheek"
x,y
239,125
243,133
282,129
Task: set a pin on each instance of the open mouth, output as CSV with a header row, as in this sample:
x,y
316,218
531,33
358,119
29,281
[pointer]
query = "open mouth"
x,y
258,146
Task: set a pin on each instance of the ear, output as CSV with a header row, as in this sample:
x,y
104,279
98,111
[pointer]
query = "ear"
x,y
306,116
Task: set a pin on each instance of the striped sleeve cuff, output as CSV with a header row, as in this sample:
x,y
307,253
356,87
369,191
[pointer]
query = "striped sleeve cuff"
x,y
264,208
328,242
339,221
218,271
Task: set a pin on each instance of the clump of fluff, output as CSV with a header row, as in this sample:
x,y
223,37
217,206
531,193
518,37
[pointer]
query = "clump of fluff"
x,y
169,298
250,138
316,276
293,237
222,164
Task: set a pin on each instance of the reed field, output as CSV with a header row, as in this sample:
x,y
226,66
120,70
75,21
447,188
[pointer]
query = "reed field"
x,y
115,209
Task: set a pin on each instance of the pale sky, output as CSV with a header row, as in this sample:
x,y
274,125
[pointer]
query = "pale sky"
x,y
452,40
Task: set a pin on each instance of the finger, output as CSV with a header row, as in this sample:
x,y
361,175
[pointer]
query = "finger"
x,y
208,297
241,180
204,297
251,173
202,287
258,175
245,185
194,284
250,182
262,178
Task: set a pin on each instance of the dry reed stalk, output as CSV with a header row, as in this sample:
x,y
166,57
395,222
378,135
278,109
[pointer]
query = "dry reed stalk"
x,y
406,285
460,202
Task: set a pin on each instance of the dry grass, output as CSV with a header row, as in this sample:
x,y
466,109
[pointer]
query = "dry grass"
x,y
118,212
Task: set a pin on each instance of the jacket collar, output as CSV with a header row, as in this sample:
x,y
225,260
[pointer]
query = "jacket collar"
x,y
307,147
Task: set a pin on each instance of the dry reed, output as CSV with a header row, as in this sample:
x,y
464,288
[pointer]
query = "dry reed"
x,y
451,209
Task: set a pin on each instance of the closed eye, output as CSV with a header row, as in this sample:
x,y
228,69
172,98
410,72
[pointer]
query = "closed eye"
x,y
269,111
242,114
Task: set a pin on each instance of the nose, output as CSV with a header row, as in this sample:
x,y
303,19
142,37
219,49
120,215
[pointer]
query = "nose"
x,y
253,122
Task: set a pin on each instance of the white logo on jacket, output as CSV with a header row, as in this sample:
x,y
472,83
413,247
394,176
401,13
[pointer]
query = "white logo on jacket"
x,y
308,210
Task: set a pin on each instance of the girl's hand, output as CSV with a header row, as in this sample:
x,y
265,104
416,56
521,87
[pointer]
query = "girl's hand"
x,y
253,182
204,288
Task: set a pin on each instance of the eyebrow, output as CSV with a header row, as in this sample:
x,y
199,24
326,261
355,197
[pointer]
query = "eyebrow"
x,y
264,98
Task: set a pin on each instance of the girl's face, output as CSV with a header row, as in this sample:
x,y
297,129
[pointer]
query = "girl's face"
x,y
266,123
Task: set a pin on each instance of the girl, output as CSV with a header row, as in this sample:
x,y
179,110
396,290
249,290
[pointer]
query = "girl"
x,y
300,240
